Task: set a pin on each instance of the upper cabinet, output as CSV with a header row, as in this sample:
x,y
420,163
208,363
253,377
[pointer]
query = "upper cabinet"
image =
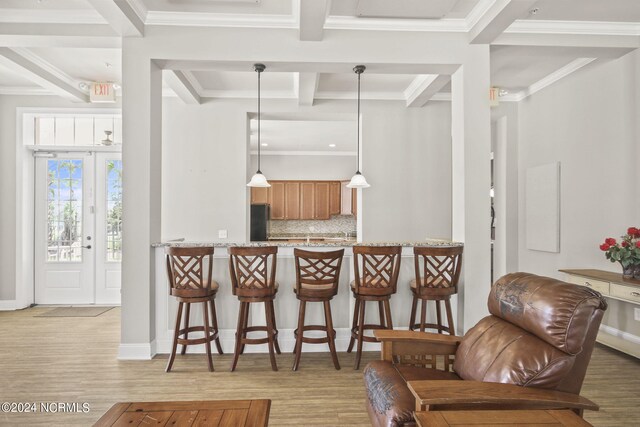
x,y
300,199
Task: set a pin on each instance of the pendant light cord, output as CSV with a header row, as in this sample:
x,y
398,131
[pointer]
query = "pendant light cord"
x,y
259,72
358,152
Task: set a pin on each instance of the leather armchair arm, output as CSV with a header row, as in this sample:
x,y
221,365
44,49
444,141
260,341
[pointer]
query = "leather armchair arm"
x,y
402,343
479,394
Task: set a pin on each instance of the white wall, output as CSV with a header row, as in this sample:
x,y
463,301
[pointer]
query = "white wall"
x,y
406,158
332,168
587,122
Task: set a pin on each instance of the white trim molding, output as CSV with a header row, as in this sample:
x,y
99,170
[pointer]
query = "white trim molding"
x,y
593,28
620,340
552,78
8,305
140,351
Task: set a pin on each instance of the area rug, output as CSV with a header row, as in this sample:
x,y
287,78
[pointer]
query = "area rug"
x,y
75,312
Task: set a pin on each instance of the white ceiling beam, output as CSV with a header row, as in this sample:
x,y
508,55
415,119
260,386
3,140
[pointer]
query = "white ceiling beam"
x,y
423,88
59,35
180,84
313,15
497,18
42,73
306,87
121,16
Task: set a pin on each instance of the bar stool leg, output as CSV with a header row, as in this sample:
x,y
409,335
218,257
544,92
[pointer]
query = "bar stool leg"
x,y
186,326
270,333
239,334
381,314
331,334
246,325
176,333
423,316
412,317
387,309
360,334
452,329
275,327
439,316
207,335
298,348
354,325
214,319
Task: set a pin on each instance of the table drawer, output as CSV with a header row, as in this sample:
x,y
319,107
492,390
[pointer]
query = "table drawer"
x,y
596,285
629,293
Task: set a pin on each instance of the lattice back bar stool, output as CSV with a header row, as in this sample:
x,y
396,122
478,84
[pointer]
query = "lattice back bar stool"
x,y
437,274
317,278
189,270
376,271
253,276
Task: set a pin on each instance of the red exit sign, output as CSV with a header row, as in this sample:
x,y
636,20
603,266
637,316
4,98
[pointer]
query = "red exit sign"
x,y
102,92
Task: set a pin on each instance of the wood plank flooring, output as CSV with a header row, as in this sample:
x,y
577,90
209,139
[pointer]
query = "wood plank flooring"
x,y
74,360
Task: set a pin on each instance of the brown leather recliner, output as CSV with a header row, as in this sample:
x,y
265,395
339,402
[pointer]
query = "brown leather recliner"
x,y
540,333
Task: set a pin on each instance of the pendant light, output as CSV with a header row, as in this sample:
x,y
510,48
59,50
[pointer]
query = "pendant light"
x,y
258,180
358,180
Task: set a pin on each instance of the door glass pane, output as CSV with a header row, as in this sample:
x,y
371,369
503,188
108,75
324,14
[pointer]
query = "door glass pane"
x,y
114,210
64,210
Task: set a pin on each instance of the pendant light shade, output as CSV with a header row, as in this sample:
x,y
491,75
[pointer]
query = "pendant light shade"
x,y
358,180
258,179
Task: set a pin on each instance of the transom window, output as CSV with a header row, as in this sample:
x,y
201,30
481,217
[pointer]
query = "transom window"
x,y
77,130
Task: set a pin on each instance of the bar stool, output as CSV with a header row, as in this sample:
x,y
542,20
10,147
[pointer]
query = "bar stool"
x,y
376,271
317,278
189,284
441,271
253,278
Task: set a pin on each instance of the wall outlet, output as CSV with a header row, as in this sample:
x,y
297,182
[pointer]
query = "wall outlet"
x,y
222,234
636,314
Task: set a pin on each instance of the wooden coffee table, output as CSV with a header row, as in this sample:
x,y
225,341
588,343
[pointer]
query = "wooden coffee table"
x,y
195,413
500,418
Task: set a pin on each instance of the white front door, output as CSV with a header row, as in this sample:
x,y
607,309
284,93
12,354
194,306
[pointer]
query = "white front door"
x,y
78,228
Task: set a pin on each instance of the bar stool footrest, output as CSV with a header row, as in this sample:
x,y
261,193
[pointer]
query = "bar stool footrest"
x,y
195,341
319,340
365,338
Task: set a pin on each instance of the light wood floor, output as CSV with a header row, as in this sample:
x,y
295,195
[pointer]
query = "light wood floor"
x,y
74,360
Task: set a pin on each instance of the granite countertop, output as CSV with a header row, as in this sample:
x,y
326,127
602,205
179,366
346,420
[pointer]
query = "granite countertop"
x,y
427,242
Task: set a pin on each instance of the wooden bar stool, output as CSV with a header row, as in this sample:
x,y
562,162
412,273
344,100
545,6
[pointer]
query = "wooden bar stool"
x,y
439,280
376,279
189,284
317,278
253,278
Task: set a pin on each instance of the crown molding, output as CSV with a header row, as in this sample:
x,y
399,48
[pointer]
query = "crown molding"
x,y
441,96
264,152
372,96
40,62
51,16
384,24
559,74
139,8
194,81
478,11
239,20
24,90
595,28
247,94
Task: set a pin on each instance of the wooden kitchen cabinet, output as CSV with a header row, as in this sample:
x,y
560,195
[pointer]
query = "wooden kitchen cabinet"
x,y
307,200
277,199
335,198
292,200
354,202
259,195
321,198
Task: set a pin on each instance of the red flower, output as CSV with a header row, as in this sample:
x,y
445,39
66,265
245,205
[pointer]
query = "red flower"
x,y
633,231
610,241
638,244
624,244
605,247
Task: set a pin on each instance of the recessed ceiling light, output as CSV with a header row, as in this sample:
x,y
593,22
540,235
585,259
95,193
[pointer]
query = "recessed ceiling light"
x,y
264,144
534,11
332,145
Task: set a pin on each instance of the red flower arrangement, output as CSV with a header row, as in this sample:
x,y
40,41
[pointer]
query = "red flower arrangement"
x,y
627,252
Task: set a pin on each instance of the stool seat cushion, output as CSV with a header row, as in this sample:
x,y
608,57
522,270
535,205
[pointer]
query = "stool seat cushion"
x,y
437,283
314,287
372,283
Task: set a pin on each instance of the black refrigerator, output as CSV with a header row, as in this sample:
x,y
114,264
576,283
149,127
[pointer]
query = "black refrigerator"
x,y
259,222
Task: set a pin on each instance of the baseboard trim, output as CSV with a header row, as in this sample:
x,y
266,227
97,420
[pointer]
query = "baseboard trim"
x,y
620,334
8,305
141,351
619,340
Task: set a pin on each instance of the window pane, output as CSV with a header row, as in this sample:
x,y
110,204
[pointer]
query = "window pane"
x,y
64,131
84,131
114,210
45,131
64,210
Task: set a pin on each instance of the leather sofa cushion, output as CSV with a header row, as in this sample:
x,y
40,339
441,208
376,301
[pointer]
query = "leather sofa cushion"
x,y
497,351
389,396
554,311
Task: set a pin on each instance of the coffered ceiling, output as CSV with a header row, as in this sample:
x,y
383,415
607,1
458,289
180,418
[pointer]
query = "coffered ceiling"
x,y
533,43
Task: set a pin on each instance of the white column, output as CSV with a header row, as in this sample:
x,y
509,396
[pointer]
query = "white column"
x,y
141,158
471,182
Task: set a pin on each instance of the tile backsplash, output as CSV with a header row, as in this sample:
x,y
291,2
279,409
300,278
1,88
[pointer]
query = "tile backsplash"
x,y
338,224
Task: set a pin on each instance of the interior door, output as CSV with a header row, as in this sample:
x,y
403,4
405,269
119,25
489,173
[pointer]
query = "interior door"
x,y
64,229
108,234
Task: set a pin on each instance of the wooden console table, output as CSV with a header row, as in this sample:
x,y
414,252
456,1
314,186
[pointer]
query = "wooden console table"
x,y
499,418
221,413
610,285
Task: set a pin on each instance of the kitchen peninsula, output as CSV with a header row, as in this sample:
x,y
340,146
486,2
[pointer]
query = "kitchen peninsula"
x,y
286,305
